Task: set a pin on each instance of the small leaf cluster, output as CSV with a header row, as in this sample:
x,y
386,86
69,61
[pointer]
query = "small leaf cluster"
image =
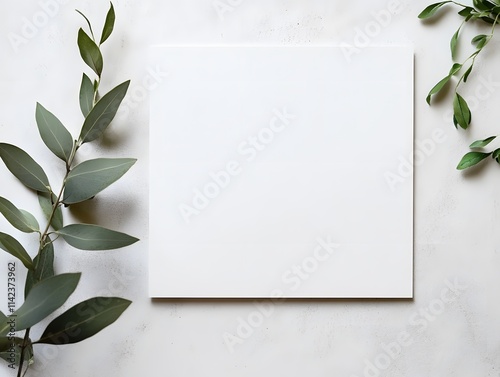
x,y
45,291
484,11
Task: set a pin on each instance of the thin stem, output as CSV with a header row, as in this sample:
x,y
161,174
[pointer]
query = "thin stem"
x,y
462,5
43,237
23,348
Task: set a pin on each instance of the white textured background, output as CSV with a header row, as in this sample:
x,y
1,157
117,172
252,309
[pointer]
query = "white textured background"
x,y
456,215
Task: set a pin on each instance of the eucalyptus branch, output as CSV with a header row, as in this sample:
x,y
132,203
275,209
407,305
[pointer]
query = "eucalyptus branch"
x,y
46,291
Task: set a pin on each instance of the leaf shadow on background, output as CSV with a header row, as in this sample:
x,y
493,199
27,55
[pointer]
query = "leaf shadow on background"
x,y
96,211
476,171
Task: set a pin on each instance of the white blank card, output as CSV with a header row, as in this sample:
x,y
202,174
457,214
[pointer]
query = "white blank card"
x,y
274,173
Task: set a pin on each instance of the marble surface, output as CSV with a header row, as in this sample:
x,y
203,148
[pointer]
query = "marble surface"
x,y
450,328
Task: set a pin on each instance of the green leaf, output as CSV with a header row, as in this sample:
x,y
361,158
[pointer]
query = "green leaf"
x,y
482,143
13,247
480,40
471,159
84,320
86,95
46,203
19,219
482,5
467,73
43,299
467,12
103,113
88,23
24,167
431,10
44,267
109,24
10,350
437,88
93,237
90,53
453,42
55,136
496,155
455,68
461,111
93,176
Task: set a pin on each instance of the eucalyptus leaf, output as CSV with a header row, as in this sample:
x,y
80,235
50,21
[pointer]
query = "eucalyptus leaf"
x,y
430,10
44,267
461,111
86,95
31,221
109,24
482,5
47,201
19,219
93,176
455,68
44,298
437,88
84,320
13,247
12,346
24,167
471,159
453,42
94,237
55,136
103,113
90,52
482,143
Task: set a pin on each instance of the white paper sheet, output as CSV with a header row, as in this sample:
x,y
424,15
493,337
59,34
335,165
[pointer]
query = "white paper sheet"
x,y
281,171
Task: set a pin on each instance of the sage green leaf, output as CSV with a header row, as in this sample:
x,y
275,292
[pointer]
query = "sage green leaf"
x,y
13,247
461,111
90,53
47,204
94,237
18,218
430,10
437,88
86,95
44,267
103,113
471,159
480,40
109,24
467,73
482,143
24,167
453,42
55,136
84,320
93,176
88,23
3,317
44,298
10,350
496,155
